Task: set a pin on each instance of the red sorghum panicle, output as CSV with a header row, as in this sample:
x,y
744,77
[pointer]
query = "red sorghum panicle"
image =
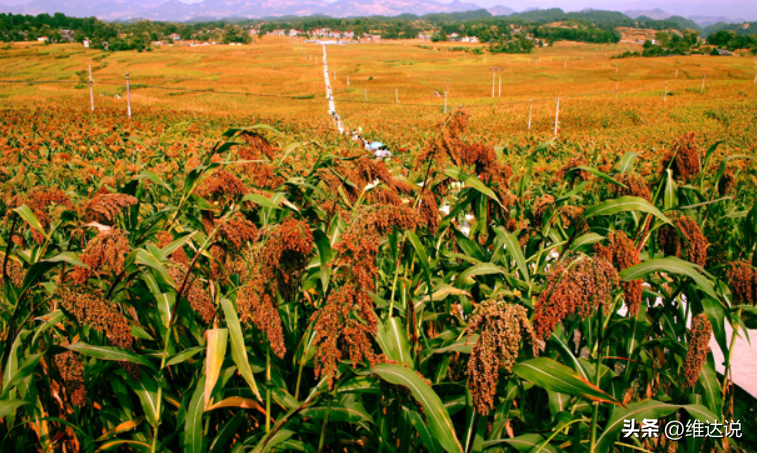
x,y
501,327
237,230
742,279
683,158
89,307
72,372
105,207
448,145
360,173
540,208
15,270
339,331
635,186
699,347
39,200
279,258
347,320
194,292
258,147
165,238
693,245
359,244
429,210
577,284
727,182
622,254
222,186
107,250
572,215
574,162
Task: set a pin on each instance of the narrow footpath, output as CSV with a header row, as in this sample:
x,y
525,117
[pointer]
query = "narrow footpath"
x,y
330,96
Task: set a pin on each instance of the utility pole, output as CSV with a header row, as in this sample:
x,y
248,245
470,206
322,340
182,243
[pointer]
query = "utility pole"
x,y
396,96
665,96
703,77
494,77
530,109
617,87
557,115
445,102
128,96
91,90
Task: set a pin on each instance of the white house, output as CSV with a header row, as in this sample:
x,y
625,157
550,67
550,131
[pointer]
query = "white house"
x,y
86,42
43,39
293,33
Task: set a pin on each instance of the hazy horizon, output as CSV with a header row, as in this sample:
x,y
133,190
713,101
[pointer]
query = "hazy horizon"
x,y
734,9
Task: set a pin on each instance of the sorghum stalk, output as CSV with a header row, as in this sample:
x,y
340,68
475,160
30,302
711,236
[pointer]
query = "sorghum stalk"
x,y
595,413
322,440
268,388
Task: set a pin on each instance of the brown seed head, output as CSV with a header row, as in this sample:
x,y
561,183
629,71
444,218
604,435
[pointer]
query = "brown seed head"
x,y
501,327
72,371
691,242
106,251
222,186
278,260
635,186
89,307
105,207
699,347
742,279
574,162
683,158
339,332
194,292
577,284
622,254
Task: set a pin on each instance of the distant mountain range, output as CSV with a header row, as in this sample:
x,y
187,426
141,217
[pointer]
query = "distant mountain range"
x,y
702,21
175,10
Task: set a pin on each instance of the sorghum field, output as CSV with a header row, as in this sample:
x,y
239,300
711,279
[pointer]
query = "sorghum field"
x,y
224,271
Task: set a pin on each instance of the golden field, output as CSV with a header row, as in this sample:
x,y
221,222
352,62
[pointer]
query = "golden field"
x,y
278,79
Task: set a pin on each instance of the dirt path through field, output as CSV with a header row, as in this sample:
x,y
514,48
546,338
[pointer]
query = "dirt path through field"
x,y
330,96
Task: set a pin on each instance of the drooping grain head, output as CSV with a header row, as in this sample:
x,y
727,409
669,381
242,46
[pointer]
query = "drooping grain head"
x,y
684,239
699,347
222,187
683,158
89,307
338,331
578,284
106,252
622,254
194,292
502,327
635,186
105,208
742,279
279,258
570,170
72,372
